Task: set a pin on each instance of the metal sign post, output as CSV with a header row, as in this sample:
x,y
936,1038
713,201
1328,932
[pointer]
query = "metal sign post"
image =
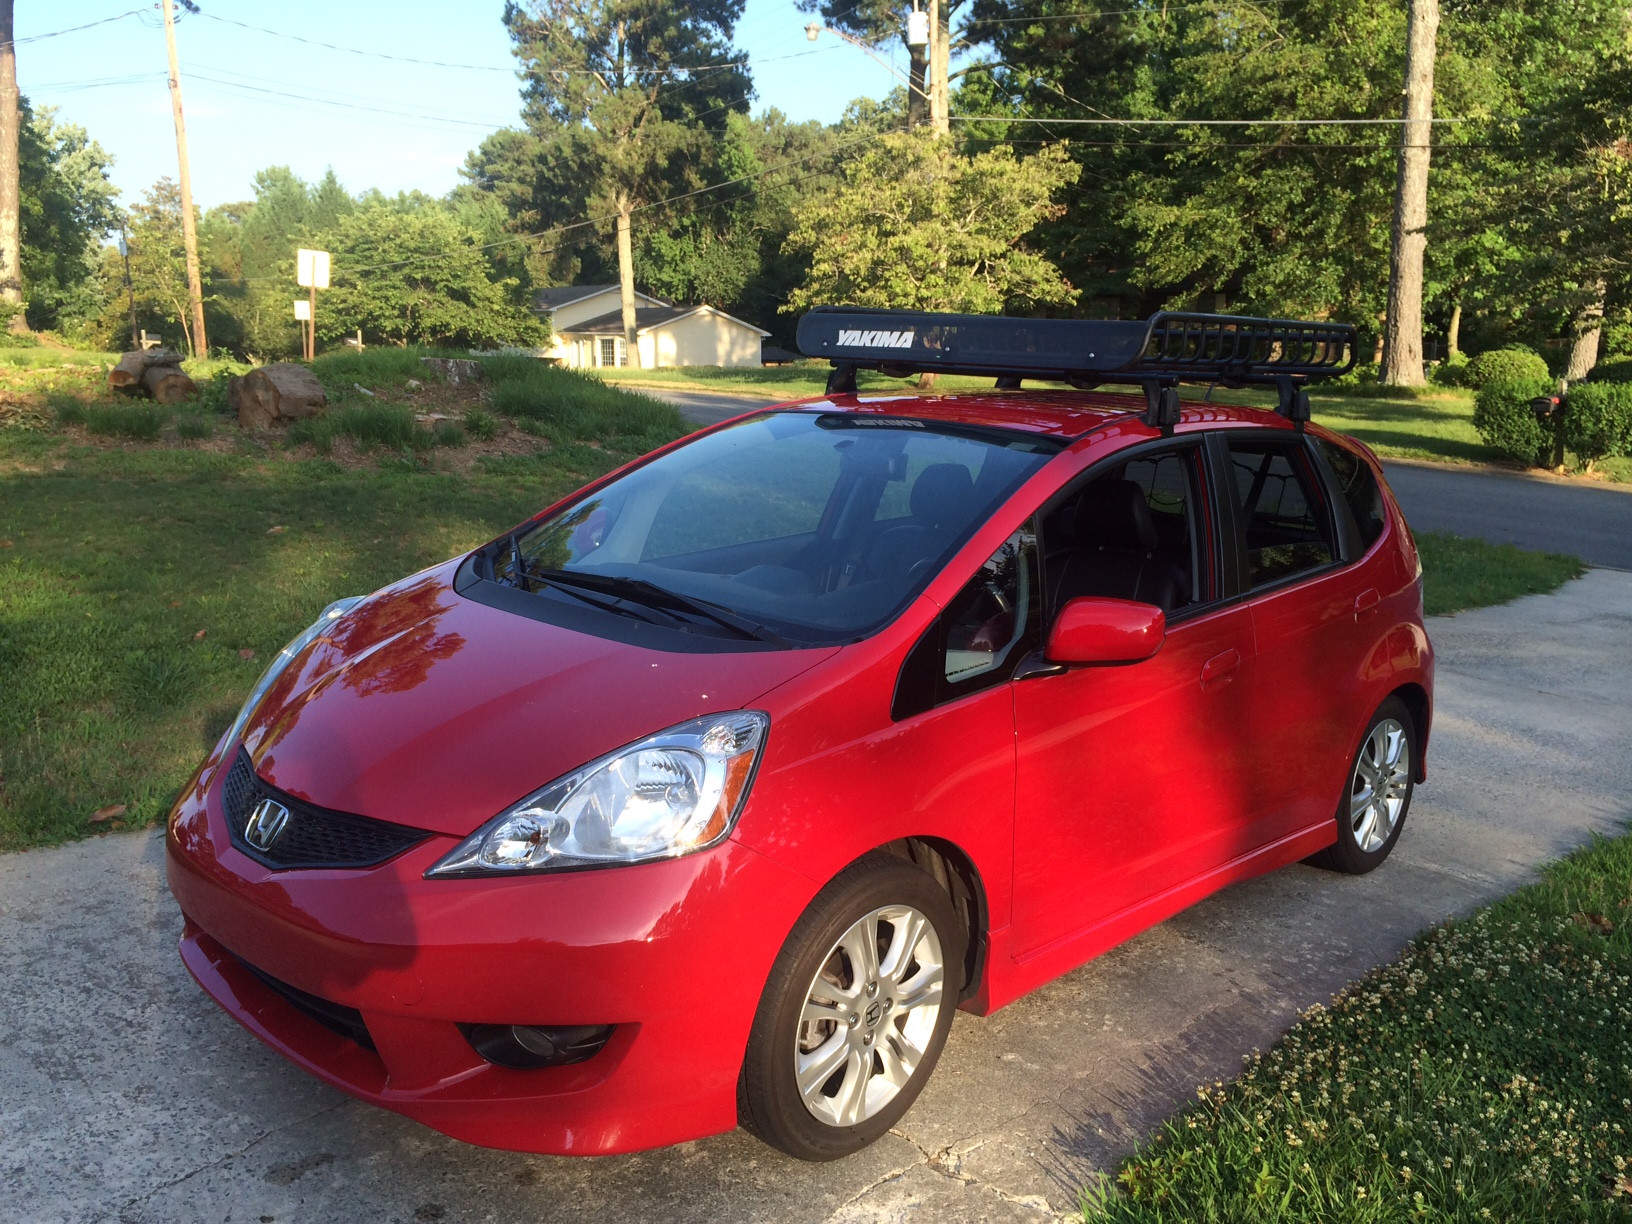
x,y
311,272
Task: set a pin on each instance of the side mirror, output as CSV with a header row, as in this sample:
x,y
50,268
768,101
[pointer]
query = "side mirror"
x,y
1096,630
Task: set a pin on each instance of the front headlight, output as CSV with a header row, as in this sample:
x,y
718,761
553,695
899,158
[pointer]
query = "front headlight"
x,y
303,639
669,794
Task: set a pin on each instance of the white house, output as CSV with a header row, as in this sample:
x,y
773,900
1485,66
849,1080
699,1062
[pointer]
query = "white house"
x,y
587,326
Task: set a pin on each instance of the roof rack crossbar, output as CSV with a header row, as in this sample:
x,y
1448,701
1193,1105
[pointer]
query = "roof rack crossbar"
x,y
1167,349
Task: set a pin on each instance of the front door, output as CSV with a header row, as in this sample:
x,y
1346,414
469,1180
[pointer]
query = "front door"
x,y
1128,783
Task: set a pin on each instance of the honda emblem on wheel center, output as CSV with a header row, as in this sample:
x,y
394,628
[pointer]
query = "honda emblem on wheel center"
x,y
266,822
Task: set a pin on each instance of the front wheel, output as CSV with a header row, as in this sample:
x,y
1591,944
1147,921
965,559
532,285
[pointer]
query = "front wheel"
x,y
855,1013
1381,778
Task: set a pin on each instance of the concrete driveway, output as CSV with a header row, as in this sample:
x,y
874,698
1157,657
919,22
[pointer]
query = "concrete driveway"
x,y
126,1095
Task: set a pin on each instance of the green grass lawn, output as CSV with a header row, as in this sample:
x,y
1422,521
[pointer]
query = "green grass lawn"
x,y
1485,1075
1459,573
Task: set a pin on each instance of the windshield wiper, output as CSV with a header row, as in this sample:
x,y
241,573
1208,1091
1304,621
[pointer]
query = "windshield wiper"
x,y
662,598
521,577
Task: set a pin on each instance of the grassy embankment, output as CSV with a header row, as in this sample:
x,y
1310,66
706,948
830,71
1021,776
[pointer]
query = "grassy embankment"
x,y
145,584
1485,1075
1435,424
146,575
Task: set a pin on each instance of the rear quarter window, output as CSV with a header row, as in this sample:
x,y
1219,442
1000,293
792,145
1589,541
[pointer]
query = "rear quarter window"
x,y
1356,485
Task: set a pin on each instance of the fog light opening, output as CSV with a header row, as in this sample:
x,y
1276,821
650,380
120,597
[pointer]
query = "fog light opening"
x,y
527,1047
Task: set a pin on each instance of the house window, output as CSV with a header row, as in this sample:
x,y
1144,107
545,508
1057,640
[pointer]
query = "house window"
x,y
609,351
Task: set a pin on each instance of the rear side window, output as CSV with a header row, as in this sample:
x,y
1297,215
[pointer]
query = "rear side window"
x,y
1288,529
1358,486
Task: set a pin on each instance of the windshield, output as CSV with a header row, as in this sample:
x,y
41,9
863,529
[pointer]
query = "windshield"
x,y
807,528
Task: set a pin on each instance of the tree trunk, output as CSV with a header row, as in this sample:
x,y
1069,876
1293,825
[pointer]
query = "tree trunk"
x,y
127,375
167,384
626,282
1589,330
1453,333
196,337
917,110
283,391
11,249
1402,350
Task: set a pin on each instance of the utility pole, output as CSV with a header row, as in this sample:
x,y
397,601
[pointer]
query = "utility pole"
x,y
940,67
11,245
918,55
130,286
189,232
1402,330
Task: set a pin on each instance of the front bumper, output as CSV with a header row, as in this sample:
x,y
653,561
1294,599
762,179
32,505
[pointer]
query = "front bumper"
x,y
675,954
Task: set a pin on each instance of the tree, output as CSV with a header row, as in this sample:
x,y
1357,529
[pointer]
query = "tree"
x,y
158,257
417,277
67,204
916,225
615,94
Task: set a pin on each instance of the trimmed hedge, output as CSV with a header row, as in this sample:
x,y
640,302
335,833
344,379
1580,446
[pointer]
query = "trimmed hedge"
x,y
1503,418
1612,370
1514,364
1598,420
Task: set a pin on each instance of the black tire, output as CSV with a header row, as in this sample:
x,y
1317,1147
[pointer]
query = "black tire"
x,y
1357,849
770,1103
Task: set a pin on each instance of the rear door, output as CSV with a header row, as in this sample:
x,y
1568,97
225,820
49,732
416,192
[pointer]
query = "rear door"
x,y
1310,615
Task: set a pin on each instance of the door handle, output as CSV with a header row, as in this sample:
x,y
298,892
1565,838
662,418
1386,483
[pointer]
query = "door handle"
x,y
1365,602
1220,668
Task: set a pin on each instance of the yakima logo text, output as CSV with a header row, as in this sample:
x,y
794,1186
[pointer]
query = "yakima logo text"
x,y
876,339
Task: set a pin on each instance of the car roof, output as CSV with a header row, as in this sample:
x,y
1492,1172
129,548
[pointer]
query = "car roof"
x,y
1055,414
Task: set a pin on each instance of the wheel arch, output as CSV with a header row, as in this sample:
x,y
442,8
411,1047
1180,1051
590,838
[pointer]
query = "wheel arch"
x,y
1415,698
953,869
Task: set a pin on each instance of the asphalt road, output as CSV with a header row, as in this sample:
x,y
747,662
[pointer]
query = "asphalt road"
x,y
1593,522
125,1094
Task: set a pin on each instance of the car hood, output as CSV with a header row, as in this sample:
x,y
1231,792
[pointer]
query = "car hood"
x,y
432,710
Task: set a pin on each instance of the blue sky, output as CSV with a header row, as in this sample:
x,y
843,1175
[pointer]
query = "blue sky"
x,y
252,98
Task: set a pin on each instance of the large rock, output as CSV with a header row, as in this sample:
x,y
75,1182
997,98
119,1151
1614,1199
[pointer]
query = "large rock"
x,y
283,391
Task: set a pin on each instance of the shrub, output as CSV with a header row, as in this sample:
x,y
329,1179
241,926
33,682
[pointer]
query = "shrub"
x,y
1598,421
1452,372
483,426
1503,418
1613,370
1514,364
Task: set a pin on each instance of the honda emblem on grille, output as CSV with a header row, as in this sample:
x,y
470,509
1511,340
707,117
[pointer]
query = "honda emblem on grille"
x,y
266,822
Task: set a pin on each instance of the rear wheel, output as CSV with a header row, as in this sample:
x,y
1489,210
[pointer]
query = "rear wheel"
x,y
1381,779
855,1013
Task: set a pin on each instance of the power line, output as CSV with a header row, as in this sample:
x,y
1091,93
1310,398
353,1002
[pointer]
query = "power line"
x,y
315,42
76,29
1227,122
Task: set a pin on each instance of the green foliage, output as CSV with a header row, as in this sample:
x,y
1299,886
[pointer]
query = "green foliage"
x,y
194,426
417,278
916,225
1512,364
369,425
481,425
449,433
1504,420
1614,369
66,205
1598,421
1452,372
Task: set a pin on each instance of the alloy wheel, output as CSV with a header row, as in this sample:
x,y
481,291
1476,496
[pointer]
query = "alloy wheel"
x,y
869,1015
1380,785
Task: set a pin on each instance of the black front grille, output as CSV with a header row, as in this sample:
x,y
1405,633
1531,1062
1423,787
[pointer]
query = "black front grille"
x,y
336,1017
312,836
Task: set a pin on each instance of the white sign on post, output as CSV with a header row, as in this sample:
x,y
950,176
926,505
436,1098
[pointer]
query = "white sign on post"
x,y
303,309
312,269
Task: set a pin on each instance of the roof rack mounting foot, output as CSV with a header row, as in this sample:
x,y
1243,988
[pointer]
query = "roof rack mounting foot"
x,y
1161,405
841,379
1293,401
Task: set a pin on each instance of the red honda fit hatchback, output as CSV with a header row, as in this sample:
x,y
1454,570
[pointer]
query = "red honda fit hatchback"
x,y
708,794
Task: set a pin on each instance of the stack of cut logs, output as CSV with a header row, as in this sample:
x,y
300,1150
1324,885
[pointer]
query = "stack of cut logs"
x,y
156,372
